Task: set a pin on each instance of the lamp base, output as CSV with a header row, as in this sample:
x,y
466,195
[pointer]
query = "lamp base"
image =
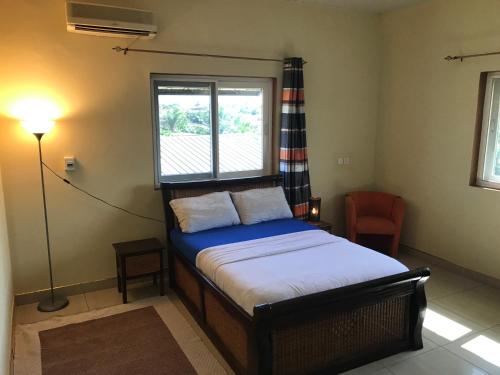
x,y
49,305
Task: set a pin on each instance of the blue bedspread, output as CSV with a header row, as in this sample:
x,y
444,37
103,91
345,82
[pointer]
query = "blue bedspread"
x,y
190,244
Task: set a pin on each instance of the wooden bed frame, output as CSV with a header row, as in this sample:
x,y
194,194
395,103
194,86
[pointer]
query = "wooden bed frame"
x,y
326,332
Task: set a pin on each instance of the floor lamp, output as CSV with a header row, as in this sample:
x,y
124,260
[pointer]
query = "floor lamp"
x,y
53,302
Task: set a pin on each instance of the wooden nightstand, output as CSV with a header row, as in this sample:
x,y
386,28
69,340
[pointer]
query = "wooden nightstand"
x,y
136,259
323,225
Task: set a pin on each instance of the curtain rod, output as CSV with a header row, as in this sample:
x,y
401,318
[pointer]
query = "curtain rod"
x,y
126,50
463,57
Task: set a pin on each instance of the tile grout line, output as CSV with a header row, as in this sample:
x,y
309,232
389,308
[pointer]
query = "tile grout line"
x,y
437,301
435,343
471,320
483,327
412,356
458,292
431,350
389,370
86,302
470,334
466,360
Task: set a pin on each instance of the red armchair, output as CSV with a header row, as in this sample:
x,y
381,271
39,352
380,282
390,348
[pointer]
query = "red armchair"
x,y
374,213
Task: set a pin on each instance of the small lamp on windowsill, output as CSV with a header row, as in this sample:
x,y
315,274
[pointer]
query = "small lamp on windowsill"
x,y
39,128
314,208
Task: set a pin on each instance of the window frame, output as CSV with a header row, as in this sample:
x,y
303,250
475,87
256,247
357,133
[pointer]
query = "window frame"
x,y
268,86
489,96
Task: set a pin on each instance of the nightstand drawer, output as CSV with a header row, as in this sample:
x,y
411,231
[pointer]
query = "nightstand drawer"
x,y
143,264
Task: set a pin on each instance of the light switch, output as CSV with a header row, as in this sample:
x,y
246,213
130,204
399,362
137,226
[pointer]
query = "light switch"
x,y
69,163
340,161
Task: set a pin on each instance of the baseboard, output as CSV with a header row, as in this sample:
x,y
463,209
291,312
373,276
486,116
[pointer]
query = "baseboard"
x,y
443,263
74,289
67,290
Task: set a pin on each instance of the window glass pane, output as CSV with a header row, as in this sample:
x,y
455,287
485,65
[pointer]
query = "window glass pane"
x,y
241,128
496,163
492,136
185,129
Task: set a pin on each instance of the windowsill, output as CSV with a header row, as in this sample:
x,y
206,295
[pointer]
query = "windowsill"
x,y
485,187
223,178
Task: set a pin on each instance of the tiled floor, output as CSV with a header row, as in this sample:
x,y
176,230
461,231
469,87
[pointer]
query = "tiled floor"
x,y
461,330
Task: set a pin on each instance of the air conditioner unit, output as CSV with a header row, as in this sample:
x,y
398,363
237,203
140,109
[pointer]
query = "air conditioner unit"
x,y
106,20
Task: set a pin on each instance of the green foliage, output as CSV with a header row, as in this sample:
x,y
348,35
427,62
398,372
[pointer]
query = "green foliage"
x,y
229,123
196,120
198,115
172,119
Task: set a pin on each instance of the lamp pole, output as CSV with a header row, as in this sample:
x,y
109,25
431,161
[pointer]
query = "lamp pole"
x,y
55,302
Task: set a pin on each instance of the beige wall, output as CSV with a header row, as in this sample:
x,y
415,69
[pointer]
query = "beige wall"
x,y
426,129
106,123
6,300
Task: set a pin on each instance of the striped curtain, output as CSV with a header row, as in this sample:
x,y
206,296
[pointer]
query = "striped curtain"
x,y
293,146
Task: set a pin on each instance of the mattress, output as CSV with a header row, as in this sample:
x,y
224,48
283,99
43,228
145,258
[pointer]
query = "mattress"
x,y
190,244
285,266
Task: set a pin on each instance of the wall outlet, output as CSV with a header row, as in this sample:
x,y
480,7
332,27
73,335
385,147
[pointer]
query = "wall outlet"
x,y
344,159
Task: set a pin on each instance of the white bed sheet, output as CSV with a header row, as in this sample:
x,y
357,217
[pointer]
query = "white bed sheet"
x,y
278,268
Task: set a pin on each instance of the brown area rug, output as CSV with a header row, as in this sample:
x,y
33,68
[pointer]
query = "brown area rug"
x,y
136,342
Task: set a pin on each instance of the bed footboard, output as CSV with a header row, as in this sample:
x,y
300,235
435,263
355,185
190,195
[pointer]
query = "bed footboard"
x,y
344,328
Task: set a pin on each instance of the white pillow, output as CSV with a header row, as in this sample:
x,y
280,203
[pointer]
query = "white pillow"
x,y
258,205
205,212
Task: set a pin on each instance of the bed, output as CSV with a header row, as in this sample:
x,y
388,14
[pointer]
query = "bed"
x,y
291,332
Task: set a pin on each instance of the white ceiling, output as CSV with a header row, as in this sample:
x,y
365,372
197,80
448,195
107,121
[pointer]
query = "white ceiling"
x,y
376,6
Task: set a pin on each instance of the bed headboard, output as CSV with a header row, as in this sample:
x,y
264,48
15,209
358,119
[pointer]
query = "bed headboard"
x,y
175,190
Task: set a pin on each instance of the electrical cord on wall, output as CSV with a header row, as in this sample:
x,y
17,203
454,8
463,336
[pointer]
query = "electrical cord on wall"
x,y
100,199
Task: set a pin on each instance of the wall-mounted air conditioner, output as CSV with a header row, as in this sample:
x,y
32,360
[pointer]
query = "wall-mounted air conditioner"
x,y
106,20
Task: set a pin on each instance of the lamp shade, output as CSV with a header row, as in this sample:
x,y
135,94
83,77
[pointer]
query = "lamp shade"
x,y
314,208
38,126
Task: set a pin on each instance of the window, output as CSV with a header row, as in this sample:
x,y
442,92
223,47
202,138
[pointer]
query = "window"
x,y
488,147
211,127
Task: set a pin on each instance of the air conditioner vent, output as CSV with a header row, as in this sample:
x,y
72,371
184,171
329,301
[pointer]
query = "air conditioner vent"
x,y
96,19
109,13
110,30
